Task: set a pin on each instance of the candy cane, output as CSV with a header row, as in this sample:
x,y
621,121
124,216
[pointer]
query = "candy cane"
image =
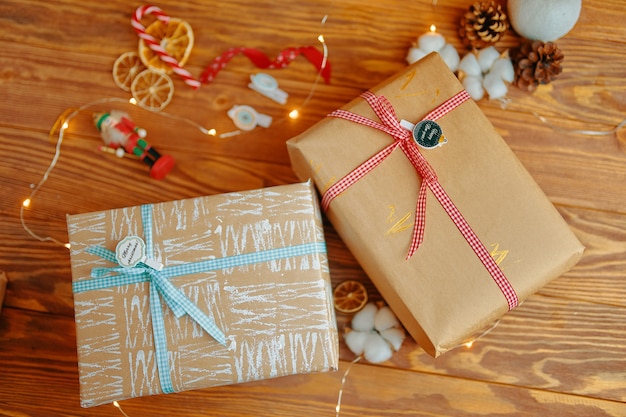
x,y
155,45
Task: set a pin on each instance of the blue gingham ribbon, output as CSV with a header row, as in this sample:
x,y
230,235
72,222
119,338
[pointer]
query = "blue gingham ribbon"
x,y
175,298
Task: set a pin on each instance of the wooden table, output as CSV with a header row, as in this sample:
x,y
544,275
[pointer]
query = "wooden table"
x,y
563,352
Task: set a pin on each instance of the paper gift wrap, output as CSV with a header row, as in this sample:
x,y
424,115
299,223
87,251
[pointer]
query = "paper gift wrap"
x,y
490,236
243,293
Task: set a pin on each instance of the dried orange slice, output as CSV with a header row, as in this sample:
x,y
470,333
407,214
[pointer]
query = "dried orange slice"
x,y
349,296
126,68
176,37
152,89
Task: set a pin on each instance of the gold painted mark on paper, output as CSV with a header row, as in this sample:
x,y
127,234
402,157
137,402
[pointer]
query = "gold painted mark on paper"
x,y
329,183
408,78
497,254
315,168
399,224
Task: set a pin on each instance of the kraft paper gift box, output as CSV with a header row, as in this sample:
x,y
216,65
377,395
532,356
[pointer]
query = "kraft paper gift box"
x,y
243,293
448,290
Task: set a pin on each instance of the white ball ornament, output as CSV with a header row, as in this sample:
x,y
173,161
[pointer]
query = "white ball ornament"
x,y
543,20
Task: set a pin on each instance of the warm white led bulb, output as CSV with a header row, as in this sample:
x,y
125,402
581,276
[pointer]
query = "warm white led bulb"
x,y
294,114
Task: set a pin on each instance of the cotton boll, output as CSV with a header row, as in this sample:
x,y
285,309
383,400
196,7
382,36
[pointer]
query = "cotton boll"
x,y
355,341
503,67
450,57
385,319
376,349
363,321
495,86
469,65
486,58
395,336
473,86
374,332
414,55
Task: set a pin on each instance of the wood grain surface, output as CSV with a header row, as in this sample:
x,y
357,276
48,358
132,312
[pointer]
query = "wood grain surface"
x,y
562,352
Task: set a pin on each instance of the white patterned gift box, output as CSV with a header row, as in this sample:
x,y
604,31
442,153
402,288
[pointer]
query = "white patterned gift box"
x,y
221,290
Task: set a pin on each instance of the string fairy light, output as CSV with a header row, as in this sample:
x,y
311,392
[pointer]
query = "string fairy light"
x,y
505,104
63,121
560,129
295,113
468,344
61,125
119,407
343,383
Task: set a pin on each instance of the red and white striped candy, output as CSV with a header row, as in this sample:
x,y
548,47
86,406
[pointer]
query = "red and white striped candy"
x,y
155,45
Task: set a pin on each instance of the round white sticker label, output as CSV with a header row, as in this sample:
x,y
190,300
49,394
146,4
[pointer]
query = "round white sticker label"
x,y
130,251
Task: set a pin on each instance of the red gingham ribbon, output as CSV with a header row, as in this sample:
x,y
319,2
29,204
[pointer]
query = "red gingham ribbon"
x,y
403,139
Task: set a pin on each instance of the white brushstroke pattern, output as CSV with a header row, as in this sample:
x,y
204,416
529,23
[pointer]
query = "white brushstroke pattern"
x,y
277,315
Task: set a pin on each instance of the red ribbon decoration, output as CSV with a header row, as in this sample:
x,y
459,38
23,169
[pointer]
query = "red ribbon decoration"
x,y
257,57
260,60
403,139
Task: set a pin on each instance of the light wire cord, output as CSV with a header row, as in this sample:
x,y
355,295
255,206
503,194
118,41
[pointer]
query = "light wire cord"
x,y
63,120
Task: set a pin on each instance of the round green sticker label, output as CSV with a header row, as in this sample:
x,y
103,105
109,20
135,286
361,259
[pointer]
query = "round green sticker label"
x,y
428,134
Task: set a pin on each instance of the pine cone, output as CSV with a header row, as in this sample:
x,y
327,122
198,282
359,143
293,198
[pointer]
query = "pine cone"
x,y
536,63
483,24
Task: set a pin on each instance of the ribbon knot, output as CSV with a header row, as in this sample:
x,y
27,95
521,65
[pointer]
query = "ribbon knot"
x,y
175,299
390,124
387,115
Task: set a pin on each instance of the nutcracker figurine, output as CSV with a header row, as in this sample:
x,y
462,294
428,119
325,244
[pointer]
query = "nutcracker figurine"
x,y
120,133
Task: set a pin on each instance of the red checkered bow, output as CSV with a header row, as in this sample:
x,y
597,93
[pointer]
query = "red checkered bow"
x,y
403,138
